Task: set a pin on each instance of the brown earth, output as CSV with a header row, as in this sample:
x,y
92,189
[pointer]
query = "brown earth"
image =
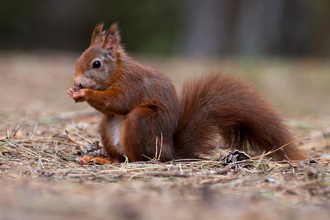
x,y
39,178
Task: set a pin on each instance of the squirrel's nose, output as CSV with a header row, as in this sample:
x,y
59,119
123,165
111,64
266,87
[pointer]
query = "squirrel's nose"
x,y
78,82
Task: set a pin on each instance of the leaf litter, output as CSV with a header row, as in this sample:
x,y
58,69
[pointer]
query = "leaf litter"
x,y
38,157
39,178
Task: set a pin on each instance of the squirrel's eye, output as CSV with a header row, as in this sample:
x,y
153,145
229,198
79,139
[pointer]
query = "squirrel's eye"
x,y
96,64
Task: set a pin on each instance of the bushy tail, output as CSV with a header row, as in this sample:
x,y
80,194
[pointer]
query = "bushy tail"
x,y
229,106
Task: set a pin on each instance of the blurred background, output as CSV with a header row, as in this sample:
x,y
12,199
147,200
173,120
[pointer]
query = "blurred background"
x,y
184,27
282,46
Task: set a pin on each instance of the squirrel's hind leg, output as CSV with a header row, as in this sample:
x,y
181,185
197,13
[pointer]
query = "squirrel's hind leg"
x,y
146,136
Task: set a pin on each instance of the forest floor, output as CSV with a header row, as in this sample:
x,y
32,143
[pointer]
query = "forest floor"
x,y
42,131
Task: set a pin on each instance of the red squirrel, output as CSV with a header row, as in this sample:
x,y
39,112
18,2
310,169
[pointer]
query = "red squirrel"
x,y
141,107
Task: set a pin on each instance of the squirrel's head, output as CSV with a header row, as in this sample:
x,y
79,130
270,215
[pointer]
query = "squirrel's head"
x,y
97,64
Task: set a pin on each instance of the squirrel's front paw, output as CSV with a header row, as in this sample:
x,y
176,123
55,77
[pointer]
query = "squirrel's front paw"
x,y
72,90
80,96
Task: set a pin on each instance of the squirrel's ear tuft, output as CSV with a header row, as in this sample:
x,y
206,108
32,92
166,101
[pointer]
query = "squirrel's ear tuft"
x,y
98,34
112,39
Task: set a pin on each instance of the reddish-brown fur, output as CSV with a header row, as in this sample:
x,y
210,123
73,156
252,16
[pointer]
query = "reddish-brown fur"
x,y
140,105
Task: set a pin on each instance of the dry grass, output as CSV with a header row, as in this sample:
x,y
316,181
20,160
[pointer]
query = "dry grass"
x,y
39,178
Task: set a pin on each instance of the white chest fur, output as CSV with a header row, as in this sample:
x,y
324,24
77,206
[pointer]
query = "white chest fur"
x,y
117,129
